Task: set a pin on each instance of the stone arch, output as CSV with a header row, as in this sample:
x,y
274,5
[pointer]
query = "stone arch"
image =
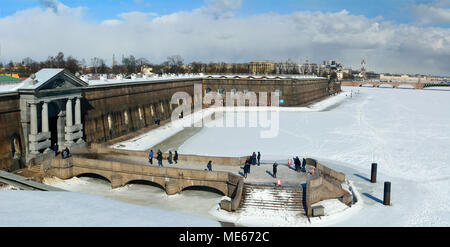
x,y
93,175
204,188
146,182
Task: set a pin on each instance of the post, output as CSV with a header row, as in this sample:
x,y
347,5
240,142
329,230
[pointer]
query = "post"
x,y
387,193
374,173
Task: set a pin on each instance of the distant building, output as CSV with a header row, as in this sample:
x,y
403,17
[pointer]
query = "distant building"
x,y
145,70
399,78
262,67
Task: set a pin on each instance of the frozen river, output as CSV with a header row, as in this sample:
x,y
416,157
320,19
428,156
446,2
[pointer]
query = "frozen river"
x,y
404,131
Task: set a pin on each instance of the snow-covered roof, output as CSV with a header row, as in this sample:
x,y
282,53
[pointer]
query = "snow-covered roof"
x,y
42,76
301,77
154,78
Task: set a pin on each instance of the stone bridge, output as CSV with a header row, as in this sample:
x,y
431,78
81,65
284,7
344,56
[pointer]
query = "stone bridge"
x,y
378,84
397,84
173,180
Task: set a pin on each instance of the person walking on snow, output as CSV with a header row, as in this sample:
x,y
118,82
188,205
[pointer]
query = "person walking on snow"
x,y
259,158
169,158
150,157
303,164
159,157
249,162
297,163
275,169
209,165
246,167
254,158
175,157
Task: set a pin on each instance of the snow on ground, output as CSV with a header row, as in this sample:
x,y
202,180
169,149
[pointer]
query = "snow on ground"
x,y
72,209
438,88
155,136
404,131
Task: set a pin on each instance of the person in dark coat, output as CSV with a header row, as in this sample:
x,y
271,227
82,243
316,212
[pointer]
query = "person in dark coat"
x,y
303,164
169,158
297,163
175,157
209,166
253,158
159,157
66,153
55,148
246,167
275,169
259,158
150,157
249,162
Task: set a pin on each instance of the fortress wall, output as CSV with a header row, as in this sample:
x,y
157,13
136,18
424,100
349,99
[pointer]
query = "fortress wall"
x,y
294,92
113,111
11,137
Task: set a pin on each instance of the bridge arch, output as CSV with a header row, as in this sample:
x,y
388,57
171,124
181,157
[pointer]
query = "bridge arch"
x,y
93,175
146,182
204,188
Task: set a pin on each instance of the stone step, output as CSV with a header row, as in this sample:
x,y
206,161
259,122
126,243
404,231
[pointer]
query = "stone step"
x,y
278,198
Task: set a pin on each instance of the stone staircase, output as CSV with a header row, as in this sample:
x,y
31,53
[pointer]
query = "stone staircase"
x,y
257,197
36,168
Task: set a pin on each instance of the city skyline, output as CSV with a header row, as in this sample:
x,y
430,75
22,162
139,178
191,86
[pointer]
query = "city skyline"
x,y
395,37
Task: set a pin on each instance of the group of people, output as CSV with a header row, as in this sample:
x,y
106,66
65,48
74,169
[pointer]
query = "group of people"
x,y
251,160
65,153
299,165
159,157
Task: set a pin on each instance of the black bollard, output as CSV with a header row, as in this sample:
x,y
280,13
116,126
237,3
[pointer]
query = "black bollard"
x,y
374,173
387,193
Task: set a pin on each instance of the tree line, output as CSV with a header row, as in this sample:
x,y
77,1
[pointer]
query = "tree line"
x,y
128,65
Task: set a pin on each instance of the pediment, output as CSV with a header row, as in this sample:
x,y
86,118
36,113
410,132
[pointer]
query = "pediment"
x,y
58,83
61,81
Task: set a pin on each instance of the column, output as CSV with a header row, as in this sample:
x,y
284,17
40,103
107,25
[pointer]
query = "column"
x,y
45,117
33,119
78,111
33,128
45,129
78,119
69,123
69,118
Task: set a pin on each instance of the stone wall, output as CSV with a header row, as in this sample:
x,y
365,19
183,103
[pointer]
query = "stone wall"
x,y
294,92
113,111
229,161
326,186
11,136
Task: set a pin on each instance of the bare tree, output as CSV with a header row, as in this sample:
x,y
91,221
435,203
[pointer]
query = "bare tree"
x,y
95,63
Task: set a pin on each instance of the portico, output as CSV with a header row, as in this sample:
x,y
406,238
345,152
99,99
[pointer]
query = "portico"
x,y
51,108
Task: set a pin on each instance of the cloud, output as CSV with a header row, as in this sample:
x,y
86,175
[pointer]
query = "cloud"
x,y
432,13
198,35
221,8
51,4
